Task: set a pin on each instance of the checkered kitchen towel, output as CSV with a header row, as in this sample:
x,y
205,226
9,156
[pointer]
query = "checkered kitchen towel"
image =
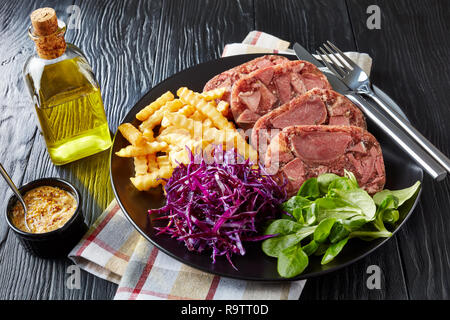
x,y
113,250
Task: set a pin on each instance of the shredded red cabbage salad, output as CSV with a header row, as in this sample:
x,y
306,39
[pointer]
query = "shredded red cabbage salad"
x,y
219,204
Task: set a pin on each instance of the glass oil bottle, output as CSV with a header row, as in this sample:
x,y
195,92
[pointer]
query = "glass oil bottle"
x,y
65,93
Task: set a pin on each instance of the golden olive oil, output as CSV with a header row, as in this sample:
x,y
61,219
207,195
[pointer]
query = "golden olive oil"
x,y
67,100
73,121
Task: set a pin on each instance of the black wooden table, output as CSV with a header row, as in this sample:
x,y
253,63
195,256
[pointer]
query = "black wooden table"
x,y
133,45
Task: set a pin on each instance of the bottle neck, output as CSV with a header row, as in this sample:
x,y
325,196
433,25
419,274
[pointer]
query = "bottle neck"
x,y
50,46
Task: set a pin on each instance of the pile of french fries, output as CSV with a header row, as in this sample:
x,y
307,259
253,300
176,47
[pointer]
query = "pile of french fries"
x,y
169,125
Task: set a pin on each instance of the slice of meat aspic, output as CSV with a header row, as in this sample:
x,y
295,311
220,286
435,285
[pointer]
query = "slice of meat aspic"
x,y
229,77
316,106
266,89
298,153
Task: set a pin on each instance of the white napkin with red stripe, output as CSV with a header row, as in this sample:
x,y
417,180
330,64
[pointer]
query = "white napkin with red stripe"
x,y
260,42
113,250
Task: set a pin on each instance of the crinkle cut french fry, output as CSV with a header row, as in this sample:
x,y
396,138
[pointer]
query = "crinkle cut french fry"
x,y
152,180
223,107
217,136
171,129
149,135
205,107
213,94
135,151
177,140
156,118
193,127
133,135
198,116
163,161
155,105
187,110
245,149
152,165
140,165
165,123
180,121
207,123
179,156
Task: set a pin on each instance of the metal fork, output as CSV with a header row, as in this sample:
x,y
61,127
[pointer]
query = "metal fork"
x,y
357,80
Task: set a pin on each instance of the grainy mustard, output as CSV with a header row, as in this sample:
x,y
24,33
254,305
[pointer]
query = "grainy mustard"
x,y
49,208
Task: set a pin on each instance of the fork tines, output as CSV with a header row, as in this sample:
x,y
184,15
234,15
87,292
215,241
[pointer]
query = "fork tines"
x,y
341,65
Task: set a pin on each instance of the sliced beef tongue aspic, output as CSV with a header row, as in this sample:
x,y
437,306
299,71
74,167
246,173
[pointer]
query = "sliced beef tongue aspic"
x,y
263,90
228,78
315,107
298,153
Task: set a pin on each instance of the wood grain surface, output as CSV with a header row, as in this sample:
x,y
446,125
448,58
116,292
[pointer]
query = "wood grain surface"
x,y
414,69
133,45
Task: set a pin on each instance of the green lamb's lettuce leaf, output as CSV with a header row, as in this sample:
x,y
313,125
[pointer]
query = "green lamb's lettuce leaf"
x,y
273,246
309,189
323,230
370,235
336,208
297,214
402,195
354,223
292,261
338,232
310,214
359,198
301,209
294,203
352,178
391,216
324,181
306,215
384,212
342,183
283,227
333,251
311,247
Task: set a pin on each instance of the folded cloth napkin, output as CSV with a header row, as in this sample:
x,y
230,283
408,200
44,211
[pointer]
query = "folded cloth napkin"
x,y
113,250
260,42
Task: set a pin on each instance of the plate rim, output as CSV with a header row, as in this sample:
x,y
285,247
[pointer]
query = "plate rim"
x,y
248,278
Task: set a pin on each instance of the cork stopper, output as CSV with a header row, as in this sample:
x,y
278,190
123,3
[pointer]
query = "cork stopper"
x,y
47,35
44,21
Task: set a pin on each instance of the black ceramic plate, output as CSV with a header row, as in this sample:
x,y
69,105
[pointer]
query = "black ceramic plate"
x,y
401,172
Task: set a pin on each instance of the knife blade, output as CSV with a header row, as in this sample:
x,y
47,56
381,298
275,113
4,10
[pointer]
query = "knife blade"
x,y
303,54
